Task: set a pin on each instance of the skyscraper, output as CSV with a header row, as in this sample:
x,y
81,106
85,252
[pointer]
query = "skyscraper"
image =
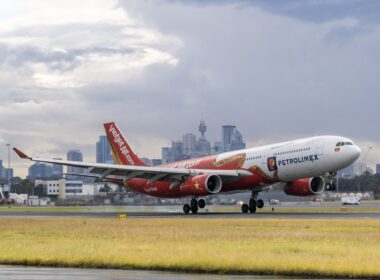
x,y
188,144
74,155
57,171
177,151
377,168
103,150
39,170
231,138
165,154
2,172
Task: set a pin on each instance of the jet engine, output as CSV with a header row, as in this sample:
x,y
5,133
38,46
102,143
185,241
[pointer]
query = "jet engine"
x,y
202,185
305,187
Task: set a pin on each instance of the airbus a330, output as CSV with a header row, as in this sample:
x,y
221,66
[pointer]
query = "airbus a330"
x,y
301,167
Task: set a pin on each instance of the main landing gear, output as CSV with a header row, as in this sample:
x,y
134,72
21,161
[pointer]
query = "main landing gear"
x,y
194,206
253,203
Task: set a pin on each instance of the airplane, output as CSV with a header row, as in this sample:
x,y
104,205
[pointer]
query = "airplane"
x,y
302,167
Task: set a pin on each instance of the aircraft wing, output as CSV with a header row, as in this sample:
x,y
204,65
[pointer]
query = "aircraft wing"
x,y
124,173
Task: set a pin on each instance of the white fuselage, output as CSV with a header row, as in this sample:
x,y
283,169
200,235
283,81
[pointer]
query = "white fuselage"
x,y
302,158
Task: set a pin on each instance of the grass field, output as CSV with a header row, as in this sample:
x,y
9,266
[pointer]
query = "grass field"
x,y
320,248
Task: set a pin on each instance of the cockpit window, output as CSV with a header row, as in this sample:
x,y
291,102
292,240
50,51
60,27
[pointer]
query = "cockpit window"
x,y
343,144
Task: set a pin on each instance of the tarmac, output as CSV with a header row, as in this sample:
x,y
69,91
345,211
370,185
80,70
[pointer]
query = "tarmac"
x,y
219,215
35,273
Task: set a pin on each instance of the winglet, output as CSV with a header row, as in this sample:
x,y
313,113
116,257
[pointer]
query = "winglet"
x,y
20,154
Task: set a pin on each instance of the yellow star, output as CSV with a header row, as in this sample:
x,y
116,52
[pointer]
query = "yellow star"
x,y
196,185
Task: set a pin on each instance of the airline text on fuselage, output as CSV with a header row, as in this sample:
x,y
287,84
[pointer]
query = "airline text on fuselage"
x,y
310,158
185,164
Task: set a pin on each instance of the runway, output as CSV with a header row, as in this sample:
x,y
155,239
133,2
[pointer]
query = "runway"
x,y
218,215
31,273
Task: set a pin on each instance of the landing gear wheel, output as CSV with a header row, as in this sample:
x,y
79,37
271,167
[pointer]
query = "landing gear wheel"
x,y
186,208
244,208
201,203
194,210
193,203
252,206
260,203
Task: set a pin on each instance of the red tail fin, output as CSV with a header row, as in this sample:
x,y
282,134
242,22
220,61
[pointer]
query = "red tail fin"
x,y
121,151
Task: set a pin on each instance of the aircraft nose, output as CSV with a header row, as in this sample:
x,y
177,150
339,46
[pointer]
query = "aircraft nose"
x,y
355,152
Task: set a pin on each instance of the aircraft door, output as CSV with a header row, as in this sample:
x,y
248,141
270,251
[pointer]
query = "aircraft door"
x,y
316,156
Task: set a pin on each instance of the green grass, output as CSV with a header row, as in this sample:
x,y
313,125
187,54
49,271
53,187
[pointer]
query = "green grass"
x,y
316,248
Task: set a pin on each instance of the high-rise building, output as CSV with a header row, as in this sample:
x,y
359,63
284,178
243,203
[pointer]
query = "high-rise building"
x,y
40,170
189,144
227,131
231,138
74,155
2,172
165,154
177,151
378,168
103,150
57,171
8,173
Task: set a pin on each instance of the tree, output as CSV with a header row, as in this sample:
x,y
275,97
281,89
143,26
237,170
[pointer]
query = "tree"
x,y
24,186
40,191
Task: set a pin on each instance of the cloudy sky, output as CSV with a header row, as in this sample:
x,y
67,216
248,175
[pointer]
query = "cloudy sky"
x,y
278,70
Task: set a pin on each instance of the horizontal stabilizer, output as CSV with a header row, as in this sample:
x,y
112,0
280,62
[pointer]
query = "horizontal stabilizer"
x,y
20,153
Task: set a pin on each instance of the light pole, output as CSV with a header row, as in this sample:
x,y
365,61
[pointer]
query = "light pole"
x,y
9,163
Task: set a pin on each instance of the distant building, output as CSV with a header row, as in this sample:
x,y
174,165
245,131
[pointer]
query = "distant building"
x,y
40,170
156,161
232,139
51,187
202,146
190,147
8,172
177,151
103,151
355,169
147,161
377,168
188,144
218,147
346,173
74,155
57,171
2,175
165,154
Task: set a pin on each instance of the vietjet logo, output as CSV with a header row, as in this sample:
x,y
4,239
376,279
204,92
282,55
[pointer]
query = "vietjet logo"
x,y
122,147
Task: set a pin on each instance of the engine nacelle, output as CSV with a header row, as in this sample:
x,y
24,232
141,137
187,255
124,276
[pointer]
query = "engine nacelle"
x,y
202,185
305,187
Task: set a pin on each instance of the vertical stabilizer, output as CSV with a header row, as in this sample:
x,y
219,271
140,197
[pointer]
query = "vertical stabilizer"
x,y
121,151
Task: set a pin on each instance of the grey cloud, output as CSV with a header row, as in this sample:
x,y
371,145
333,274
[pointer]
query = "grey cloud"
x,y
60,60
306,10
269,76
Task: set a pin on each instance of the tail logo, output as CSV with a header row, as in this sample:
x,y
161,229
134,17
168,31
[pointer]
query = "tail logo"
x,y
122,147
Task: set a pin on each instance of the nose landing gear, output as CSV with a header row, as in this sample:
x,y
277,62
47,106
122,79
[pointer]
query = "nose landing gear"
x,y
194,206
